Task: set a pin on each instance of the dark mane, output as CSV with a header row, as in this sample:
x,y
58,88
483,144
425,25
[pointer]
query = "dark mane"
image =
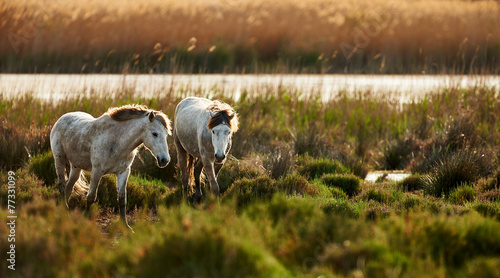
x,y
223,114
134,111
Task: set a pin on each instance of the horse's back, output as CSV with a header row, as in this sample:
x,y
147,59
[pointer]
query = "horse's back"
x,y
71,121
191,117
193,104
69,130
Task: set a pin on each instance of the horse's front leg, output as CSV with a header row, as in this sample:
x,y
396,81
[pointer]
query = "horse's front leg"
x,y
95,178
208,165
121,181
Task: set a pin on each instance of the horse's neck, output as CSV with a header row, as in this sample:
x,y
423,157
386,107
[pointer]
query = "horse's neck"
x,y
130,134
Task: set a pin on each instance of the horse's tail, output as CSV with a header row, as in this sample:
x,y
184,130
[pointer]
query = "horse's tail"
x,y
81,186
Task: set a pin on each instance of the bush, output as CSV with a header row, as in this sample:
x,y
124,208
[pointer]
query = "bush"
x,y
376,210
54,243
377,194
28,187
43,167
349,183
465,193
315,168
411,183
463,166
296,185
143,192
488,209
235,170
338,193
457,240
397,154
409,202
343,207
17,143
250,190
483,268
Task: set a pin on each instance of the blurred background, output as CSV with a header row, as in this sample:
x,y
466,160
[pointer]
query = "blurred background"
x,y
247,36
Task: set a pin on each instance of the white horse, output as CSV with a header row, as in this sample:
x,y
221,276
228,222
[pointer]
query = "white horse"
x,y
106,145
203,131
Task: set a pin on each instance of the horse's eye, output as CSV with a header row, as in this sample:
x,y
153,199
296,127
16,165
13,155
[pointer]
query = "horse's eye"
x,y
213,131
155,134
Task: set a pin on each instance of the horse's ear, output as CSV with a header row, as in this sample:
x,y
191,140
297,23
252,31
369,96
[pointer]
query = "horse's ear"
x,y
211,113
151,116
231,116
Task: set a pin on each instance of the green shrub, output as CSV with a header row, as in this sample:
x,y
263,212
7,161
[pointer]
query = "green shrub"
x,y
195,243
411,183
409,202
483,268
315,168
380,195
338,193
375,210
343,207
28,187
465,193
488,209
456,240
54,243
235,170
296,185
42,165
145,192
349,183
247,190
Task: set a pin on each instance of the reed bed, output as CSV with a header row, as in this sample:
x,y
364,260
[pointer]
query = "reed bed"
x,y
360,36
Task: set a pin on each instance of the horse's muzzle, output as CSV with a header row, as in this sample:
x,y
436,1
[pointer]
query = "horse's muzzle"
x,y
219,158
162,162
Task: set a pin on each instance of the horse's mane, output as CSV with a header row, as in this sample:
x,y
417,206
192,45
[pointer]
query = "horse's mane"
x,y
134,111
223,114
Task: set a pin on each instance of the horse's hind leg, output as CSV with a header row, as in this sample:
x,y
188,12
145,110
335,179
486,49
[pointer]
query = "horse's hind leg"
x,y
182,160
74,175
198,166
60,162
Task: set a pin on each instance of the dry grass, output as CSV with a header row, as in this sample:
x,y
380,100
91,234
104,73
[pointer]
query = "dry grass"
x,y
376,36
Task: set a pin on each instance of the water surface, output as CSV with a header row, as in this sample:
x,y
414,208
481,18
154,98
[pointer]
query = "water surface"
x,y
402,87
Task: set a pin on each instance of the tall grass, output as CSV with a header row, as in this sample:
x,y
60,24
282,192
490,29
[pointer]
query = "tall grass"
x,y
359,36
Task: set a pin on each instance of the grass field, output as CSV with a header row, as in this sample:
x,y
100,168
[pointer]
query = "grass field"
x,y
361,36
293,200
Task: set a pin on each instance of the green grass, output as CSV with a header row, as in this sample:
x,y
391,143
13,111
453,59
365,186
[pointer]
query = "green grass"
x,y
293,202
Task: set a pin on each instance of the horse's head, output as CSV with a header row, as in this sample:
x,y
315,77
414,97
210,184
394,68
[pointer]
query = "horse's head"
x,y
155,137
221,134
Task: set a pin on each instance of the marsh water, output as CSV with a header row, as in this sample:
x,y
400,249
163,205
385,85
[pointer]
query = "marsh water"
x,y
400,87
